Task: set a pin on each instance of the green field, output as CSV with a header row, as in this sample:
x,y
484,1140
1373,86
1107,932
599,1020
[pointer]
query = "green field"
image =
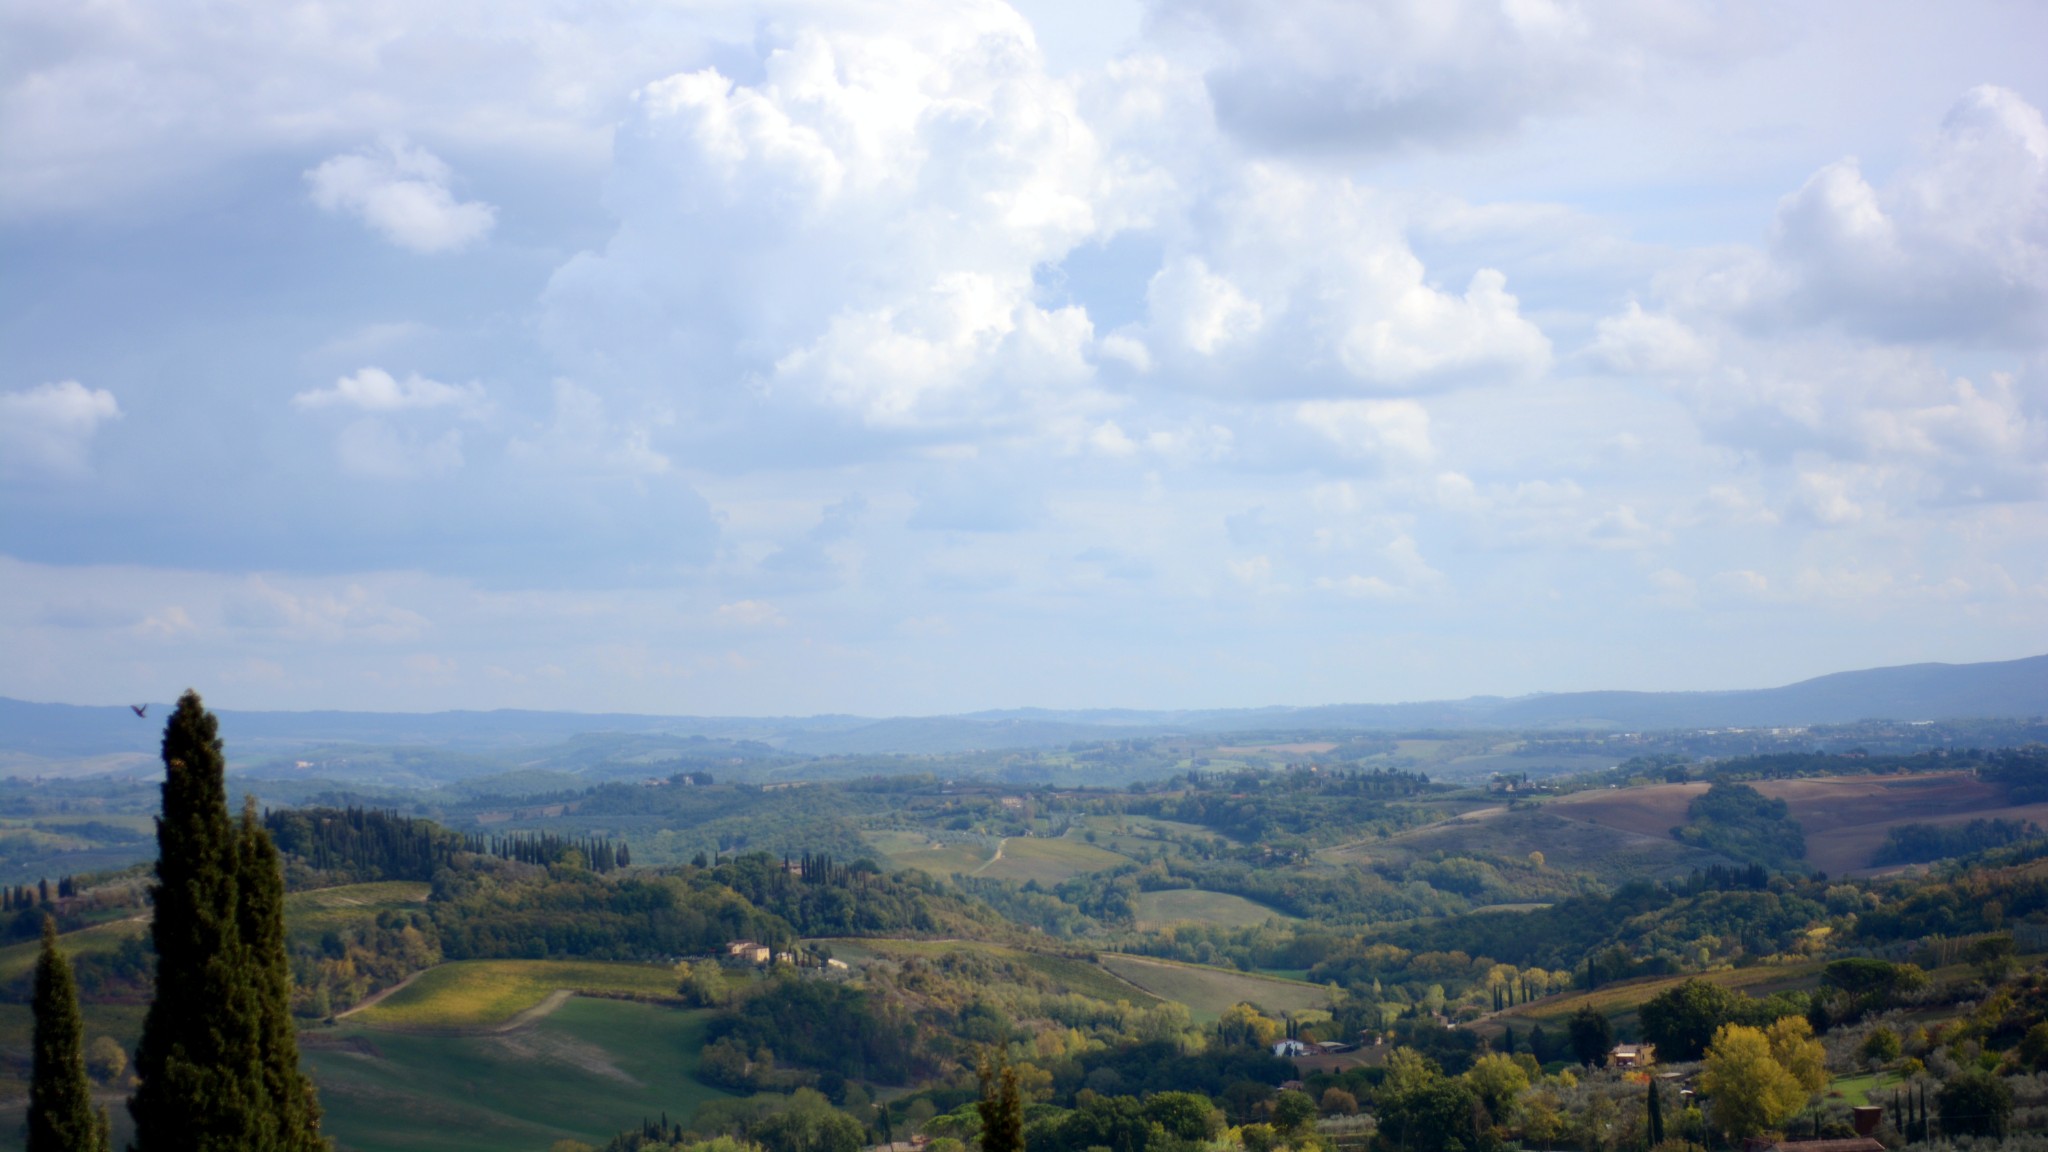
x,y
325,908
1072,975
916,850
1048,861
1209,991
587,1071
1158,909
477,994
1869,1088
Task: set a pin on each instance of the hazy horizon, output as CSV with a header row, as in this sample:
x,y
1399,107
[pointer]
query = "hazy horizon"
x,y
783,359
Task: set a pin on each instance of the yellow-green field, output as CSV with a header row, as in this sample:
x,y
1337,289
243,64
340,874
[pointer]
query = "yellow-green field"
x,y
1158,909
16,960
586,1072
1072,975
474,994
1047,861
1207,992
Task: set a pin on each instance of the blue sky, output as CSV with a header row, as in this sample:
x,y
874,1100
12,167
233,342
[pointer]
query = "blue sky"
x,y
923,357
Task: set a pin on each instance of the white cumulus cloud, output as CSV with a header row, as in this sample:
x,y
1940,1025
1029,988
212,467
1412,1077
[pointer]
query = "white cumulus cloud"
x,y
48,429
375,390
402,193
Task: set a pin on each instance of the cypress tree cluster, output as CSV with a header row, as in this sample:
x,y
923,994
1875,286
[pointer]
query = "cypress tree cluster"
x,y
599,853
364,843
218,1061
61,1117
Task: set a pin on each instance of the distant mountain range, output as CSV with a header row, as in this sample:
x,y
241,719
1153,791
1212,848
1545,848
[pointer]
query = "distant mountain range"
x,y
2002,690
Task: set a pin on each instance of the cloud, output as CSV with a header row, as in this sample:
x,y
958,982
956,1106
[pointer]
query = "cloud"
x,y
1393,431
1952,247
375,390
1638,343
48,429
376,449
855,231
582,438
1346,74
1303,282
751,614
401,192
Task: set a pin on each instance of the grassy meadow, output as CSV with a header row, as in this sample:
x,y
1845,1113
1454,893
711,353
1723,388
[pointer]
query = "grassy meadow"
x,y
1048,861
1159,909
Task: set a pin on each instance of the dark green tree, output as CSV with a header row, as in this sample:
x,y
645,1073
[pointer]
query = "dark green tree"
x,y
1654,1115
1975,1103
1591,1037
61,1117
217,1061
1001,1106
1681,1020
260,910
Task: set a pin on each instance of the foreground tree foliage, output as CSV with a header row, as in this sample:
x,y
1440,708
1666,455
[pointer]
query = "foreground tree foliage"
x,y
1749,1090
61,1117
218,1061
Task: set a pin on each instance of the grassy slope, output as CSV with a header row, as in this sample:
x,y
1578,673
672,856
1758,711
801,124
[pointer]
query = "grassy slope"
x,y
471,994
1620,999
1209,991
1048,861
17,960
588,1070
1158,909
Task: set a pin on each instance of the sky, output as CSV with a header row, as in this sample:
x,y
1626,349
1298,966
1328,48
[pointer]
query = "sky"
x,y
908,357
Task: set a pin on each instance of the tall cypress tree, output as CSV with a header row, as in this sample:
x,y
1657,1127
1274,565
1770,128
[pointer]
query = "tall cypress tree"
x,y
60,1112
261,891
1001,1106
200,1059
1656,1115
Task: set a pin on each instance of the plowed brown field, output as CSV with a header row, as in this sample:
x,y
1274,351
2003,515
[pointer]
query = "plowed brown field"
x,y
1845,817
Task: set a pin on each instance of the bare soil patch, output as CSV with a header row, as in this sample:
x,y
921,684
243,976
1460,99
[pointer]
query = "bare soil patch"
x,y
1845,817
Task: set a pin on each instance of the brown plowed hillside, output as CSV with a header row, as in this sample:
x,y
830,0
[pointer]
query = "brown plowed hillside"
x,y
1845,817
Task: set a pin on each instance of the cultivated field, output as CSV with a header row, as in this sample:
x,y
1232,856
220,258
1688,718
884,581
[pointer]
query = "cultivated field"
x,y
1047,861
587,1071
1614,854
1845,817
1158,909
1207,992
469,995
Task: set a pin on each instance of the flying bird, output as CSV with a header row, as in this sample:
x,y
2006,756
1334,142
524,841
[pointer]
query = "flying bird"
x,y
141,710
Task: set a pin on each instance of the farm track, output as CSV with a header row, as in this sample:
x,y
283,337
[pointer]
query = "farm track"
x,y
991,861
378,997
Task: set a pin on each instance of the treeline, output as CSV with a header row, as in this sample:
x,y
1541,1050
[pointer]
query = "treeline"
x,y
1314,807
1921,843
598,853
362,845
1737,821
